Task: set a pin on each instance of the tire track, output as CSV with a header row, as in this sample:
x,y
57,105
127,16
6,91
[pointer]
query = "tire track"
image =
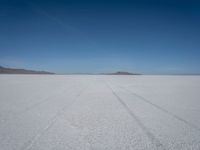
x,y
47,99
31,143
162,109
44,100
147,132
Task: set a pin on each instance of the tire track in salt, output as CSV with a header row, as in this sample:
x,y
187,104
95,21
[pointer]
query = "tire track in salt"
x,y
45,100
147,132
31,143
162,109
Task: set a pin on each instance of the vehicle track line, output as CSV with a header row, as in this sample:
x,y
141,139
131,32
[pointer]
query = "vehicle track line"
x,y
30,144
162,109
43,101
37,104
150,135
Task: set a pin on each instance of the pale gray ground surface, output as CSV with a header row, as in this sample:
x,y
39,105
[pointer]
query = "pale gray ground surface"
x,y
56,112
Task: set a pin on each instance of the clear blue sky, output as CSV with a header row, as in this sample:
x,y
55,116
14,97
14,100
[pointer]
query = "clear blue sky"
x,y
146,36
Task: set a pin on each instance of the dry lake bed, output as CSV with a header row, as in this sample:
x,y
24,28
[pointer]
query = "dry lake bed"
x,y
83,112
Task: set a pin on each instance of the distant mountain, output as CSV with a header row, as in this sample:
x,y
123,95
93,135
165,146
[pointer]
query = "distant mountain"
x,y
4,70
123,73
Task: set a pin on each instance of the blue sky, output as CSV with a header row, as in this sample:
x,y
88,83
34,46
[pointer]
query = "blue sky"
x,y
151,37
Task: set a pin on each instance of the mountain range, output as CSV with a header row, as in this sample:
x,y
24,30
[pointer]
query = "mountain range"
x,y
4,70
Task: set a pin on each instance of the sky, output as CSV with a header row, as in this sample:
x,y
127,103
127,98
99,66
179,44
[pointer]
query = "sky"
x,y
98,36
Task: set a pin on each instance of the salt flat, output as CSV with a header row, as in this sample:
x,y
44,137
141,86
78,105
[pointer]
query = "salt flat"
x,y
56,112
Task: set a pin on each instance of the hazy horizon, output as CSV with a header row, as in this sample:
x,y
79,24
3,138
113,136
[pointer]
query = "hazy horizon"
x,y
148,37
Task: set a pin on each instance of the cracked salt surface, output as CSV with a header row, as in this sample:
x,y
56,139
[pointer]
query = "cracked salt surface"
x,y
99,112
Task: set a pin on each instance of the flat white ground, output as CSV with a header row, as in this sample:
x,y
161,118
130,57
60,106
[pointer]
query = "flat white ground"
x,y
83,112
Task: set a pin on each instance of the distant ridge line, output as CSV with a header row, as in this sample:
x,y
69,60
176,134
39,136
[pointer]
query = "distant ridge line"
x,y
4,70
122,73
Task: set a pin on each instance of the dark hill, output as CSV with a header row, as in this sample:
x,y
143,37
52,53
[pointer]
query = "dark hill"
x,y
4,70
123,73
